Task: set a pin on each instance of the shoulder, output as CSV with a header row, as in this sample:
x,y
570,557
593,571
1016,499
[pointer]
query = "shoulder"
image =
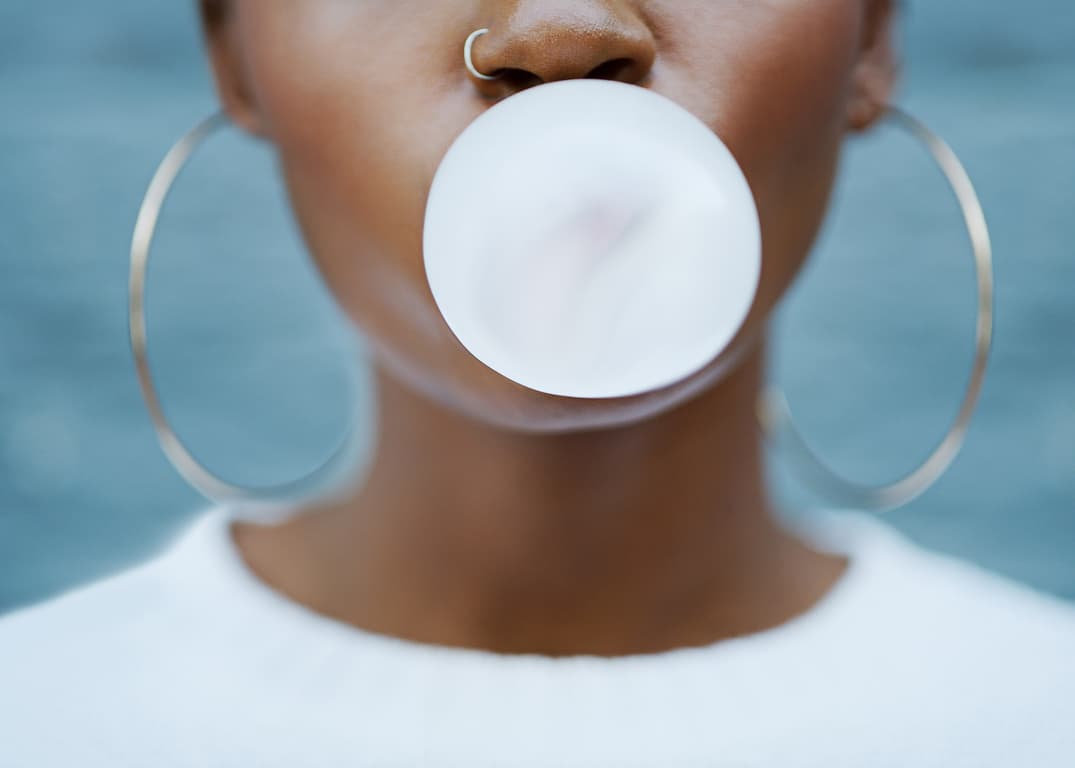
x,y
1005,633
915,592
90,662
121,605
965,597
934,656
87,613
960,650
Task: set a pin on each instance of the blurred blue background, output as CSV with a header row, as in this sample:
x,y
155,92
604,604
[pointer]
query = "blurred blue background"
x,y
873,346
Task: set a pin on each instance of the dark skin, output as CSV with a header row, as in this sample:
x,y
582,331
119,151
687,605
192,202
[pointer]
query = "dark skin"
x,y
493,516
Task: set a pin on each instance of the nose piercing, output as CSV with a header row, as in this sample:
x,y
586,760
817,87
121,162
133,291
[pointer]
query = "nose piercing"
x,y
468,55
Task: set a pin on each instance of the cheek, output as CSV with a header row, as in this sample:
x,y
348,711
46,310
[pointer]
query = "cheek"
x,y
362,102
772,78
355,108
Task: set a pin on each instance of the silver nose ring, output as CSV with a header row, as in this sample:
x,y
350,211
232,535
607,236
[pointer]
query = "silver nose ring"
x,y
468,55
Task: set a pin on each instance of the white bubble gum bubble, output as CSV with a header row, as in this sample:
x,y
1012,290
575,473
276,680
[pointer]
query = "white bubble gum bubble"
x,y
592,239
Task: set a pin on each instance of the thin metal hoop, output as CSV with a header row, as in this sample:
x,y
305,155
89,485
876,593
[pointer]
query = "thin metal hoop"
x,y
468,56
208,484
775,413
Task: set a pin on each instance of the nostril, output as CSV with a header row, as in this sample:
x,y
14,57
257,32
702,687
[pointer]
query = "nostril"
x,y
615,69
518,79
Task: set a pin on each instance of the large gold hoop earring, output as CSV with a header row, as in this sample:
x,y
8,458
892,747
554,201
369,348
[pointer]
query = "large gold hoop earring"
x,y
341,461
775,413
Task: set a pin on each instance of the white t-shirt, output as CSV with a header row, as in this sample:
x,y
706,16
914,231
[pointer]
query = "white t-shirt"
x,y
914,659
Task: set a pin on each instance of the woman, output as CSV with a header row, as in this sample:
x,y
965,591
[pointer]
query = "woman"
x,y
524,579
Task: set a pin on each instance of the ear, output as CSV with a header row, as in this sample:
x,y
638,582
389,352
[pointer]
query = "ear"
x,y
877,71
225,57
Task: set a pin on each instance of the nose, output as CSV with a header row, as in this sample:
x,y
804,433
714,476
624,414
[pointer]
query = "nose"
x,y
541,41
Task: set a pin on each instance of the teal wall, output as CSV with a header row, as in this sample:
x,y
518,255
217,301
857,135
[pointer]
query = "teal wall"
x,y
873,346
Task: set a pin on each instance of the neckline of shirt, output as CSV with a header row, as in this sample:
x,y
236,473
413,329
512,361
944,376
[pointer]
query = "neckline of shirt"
x,y
219,566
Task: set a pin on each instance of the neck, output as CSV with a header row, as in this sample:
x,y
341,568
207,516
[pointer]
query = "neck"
x,y
635,539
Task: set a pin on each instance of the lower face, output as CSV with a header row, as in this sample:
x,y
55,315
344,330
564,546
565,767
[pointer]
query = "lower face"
x,y
362,99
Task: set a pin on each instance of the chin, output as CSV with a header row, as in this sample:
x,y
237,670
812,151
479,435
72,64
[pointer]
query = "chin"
x,y
485,396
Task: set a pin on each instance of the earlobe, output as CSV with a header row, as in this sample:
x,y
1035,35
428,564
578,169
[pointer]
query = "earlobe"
x,y
226,60
877,70
864,111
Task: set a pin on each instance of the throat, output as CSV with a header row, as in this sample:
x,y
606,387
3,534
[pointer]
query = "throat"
x,y
612,542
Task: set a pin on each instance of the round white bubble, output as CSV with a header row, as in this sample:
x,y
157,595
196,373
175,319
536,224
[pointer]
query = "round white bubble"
x,y
592,239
